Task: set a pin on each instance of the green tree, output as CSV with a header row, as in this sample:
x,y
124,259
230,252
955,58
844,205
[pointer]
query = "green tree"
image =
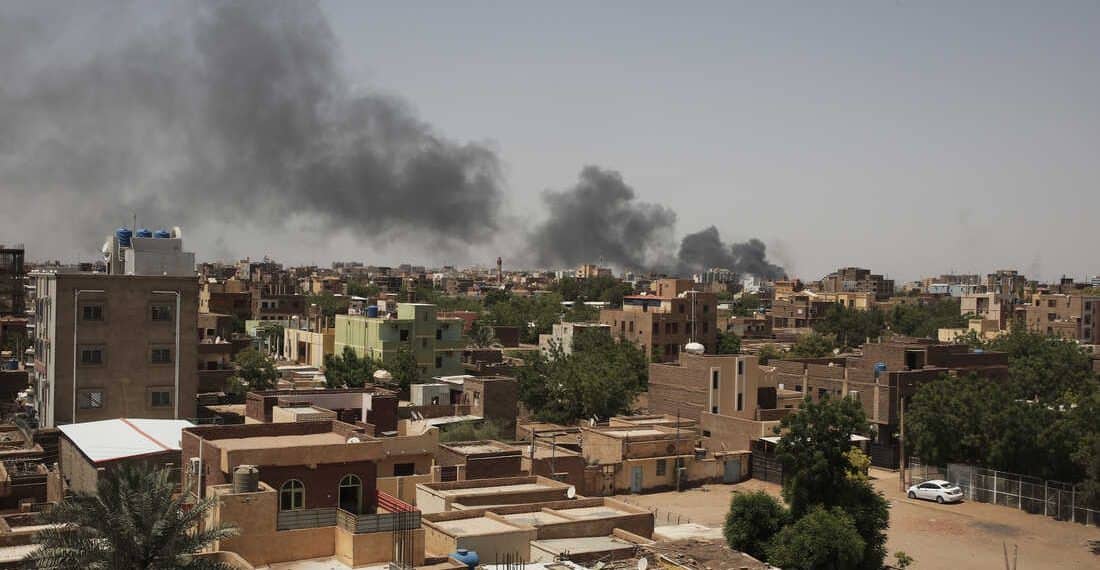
x,y
135,520
769,352
471,431
601,378
924,319
850,327
482,335
363,289
824,539
728,343
348,370
753,519
745,305
903,560
255,371
533,315
329,304
813,345
607,289
1045,368
404,369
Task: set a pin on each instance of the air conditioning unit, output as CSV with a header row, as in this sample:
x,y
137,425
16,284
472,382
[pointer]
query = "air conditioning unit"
x,y
193,465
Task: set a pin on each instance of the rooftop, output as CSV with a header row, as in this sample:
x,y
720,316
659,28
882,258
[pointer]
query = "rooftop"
x,y
110,440
279,441
477,525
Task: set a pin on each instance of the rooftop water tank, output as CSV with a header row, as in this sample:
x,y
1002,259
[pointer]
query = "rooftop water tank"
x,y
382,376
880,367
144,233
123,236
162,233
372,311
694,348
246,479
467,557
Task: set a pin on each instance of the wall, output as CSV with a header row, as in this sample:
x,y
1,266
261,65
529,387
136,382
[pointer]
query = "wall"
x,y
356,550
254,514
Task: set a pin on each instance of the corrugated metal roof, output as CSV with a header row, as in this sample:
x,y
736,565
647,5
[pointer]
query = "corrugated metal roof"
x,y
108,440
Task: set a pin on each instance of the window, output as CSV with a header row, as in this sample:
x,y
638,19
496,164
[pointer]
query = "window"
x,y
404,335
631,326
92,313
713,379
91,356
706,328
351,493
706,433
740,401
439,362
90,399
161,313
292,496
162,356
822,393
477,397
706,309
740,367
1052,316
423,343
438,334
404,469
714,409
662,467
160,398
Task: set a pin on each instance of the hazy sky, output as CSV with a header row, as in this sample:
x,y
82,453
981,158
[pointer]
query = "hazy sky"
x,y
910,137
913,138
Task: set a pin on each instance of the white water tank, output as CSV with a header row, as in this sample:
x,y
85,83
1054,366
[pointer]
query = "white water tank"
x,y
694,348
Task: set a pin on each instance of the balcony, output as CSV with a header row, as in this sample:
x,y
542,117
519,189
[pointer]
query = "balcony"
x,y
397,515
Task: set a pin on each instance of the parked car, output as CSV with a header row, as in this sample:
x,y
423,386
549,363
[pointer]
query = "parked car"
x,y
936,490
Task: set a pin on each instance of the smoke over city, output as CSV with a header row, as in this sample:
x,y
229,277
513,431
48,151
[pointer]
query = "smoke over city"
x,y
600,220
236,117
234,112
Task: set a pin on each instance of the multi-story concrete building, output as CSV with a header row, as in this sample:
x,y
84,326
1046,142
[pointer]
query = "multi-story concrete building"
x,y
120,344
1008,283
1071,316
856,279
436,343
12,274
663,323
562,335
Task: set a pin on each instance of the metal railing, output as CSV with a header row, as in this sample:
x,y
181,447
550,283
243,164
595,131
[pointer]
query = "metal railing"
x,y
381,522
1061,501
306,518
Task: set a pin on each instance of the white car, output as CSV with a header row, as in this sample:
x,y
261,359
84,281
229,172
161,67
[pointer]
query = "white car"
x,y
936,490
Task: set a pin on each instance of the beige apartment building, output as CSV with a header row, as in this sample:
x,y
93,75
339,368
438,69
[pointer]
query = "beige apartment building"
x,y
129,341
1072,317
663,323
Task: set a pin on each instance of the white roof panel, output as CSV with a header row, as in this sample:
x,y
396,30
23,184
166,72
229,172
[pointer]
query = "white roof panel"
x,y
107,440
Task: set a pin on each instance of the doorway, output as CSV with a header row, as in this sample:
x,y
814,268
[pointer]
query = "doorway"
x,y
351,494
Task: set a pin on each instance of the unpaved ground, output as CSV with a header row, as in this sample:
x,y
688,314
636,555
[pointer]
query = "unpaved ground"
x,y
966,535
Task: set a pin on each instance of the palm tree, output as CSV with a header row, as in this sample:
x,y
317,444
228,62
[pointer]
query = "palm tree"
x,y
136,520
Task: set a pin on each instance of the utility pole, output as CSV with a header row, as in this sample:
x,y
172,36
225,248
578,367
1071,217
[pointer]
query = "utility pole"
x,y
901,443
676,451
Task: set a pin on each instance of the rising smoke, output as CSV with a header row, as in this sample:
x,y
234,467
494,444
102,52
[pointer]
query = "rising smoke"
x,y
600,219
233,111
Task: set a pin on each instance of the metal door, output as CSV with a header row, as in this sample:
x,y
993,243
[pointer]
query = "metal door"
x,y
636,480
732,473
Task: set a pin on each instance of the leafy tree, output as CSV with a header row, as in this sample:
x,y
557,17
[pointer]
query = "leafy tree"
x,y
601,378
448,302
254,370
813,345
769,352
753,519
1047,368
533,315
581,313
470,431
608,289
924,319
859,464
850,327
745,305
404,369
135,520
824,539
728,343
273,336
347,369
363,289
330,304
482,335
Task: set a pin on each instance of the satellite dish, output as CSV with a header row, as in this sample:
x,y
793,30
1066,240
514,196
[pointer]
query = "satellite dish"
x,y
571,492
354,439
643,563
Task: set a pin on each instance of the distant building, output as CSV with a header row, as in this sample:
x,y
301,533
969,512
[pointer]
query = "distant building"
x,y
1067,316
663,323
436,343
856,279
591,271
562,335
12,273
1008,283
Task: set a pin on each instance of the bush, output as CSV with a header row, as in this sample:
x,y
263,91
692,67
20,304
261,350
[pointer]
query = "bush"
x,y
823,539
753,519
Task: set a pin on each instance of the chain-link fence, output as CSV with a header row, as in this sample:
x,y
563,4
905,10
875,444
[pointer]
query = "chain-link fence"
x,y
1061,501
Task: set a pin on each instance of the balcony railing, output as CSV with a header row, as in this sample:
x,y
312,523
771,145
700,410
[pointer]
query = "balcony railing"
x,y
402,516
381,522
306,518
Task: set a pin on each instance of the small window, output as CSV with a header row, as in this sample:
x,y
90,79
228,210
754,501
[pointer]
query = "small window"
x,y
162,356
292,496
706,433
92,313
713,379
714,409
404,335
438,334
662,467
439,362
740,401
162,313
160,398
404,469
90,399
740,367
91,356
423,343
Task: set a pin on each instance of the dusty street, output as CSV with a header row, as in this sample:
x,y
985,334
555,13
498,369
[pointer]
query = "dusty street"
x,y
966,535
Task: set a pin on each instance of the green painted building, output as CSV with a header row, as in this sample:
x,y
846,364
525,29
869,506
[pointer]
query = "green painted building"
x,y
436,343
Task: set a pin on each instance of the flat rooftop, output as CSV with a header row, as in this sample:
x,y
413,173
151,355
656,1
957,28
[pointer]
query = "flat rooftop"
x,y
535,518
478,525
476,447
590,513
625,433
278,441
494,490
583,544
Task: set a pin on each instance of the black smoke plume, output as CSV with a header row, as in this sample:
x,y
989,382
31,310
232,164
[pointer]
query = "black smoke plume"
x,y
599,220
232,111
705,249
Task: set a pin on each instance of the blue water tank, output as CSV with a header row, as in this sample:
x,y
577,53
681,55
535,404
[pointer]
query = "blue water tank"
x,y
123,236
162,234
144,233
372,311
467,557
12,364
880,367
